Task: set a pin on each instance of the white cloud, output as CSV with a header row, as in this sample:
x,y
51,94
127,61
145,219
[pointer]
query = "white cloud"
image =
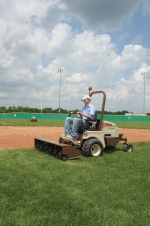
x,y
138,39
146,7
123,36
15,11
32,31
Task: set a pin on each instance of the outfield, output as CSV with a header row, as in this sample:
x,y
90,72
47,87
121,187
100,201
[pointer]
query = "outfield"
x,y
37,189
24,122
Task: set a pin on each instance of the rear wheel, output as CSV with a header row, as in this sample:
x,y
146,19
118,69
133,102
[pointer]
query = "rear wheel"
x,y
92,147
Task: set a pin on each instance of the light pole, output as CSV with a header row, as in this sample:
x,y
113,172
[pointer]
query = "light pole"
x,y
144,73
41,103
60,71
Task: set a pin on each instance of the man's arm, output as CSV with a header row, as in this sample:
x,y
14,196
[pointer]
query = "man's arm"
x,y
76,114
85,115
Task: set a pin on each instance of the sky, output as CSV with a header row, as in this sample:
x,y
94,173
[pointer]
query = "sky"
x,y
100,43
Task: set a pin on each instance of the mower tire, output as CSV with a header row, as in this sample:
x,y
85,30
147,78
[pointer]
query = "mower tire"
x,y
92,148
127,147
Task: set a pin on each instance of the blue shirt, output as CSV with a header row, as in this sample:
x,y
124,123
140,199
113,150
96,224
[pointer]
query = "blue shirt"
x,y
89,110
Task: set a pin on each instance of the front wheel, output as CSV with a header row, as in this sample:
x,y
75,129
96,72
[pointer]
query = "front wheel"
x,y
127,147
92,147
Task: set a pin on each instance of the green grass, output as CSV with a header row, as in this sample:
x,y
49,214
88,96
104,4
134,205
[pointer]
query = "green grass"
x,y
37,189
25,122
40,122
133,125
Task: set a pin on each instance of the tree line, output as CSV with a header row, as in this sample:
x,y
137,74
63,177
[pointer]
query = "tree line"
x,y
30,110
11,109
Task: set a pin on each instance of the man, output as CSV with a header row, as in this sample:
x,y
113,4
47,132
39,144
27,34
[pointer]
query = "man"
x,y
87,112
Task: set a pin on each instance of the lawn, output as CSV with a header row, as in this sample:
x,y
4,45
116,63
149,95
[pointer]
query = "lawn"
x,y
133,125
25,122
40,122
112,190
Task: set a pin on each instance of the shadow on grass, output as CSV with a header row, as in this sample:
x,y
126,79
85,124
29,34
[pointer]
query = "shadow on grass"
x,y
112,150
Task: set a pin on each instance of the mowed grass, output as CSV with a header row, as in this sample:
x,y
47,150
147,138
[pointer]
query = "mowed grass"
x,y
25,122
40,122
133,125
37,189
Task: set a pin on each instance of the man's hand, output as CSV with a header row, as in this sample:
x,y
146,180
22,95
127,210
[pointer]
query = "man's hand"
x,y
78,115
85,115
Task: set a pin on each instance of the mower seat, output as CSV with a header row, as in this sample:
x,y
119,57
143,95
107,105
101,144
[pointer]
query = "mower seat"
x,y
91,123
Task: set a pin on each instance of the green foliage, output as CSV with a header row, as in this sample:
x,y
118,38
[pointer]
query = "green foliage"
x,y
50,110
61,110
3,109
37,189
30,110
47,110
76,110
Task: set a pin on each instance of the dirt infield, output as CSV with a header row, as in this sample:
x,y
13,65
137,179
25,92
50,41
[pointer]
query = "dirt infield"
x,y
13,137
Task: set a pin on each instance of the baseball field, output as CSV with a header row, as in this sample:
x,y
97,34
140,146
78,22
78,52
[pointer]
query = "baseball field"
x,y
37,189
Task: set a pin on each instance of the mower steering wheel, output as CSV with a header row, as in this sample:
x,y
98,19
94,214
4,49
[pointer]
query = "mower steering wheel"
x,y
71,113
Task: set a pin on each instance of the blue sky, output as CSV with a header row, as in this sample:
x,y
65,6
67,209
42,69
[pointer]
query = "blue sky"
x,y
137,31
103,43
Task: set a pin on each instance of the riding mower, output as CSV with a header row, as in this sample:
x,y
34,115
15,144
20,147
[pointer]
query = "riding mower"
x,y
33,119
92,140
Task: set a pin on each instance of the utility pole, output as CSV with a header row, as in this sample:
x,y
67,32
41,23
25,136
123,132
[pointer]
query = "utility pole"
x,y
60,71
41,102
144,73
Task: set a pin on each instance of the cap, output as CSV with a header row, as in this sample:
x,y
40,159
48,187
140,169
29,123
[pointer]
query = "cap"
x,y
86,97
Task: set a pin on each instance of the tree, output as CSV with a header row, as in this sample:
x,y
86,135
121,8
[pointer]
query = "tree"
x,y
19,109
10,109
47,110
3,109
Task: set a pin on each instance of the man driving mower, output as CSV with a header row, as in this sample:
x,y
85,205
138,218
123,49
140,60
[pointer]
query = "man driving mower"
x,y
86,113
